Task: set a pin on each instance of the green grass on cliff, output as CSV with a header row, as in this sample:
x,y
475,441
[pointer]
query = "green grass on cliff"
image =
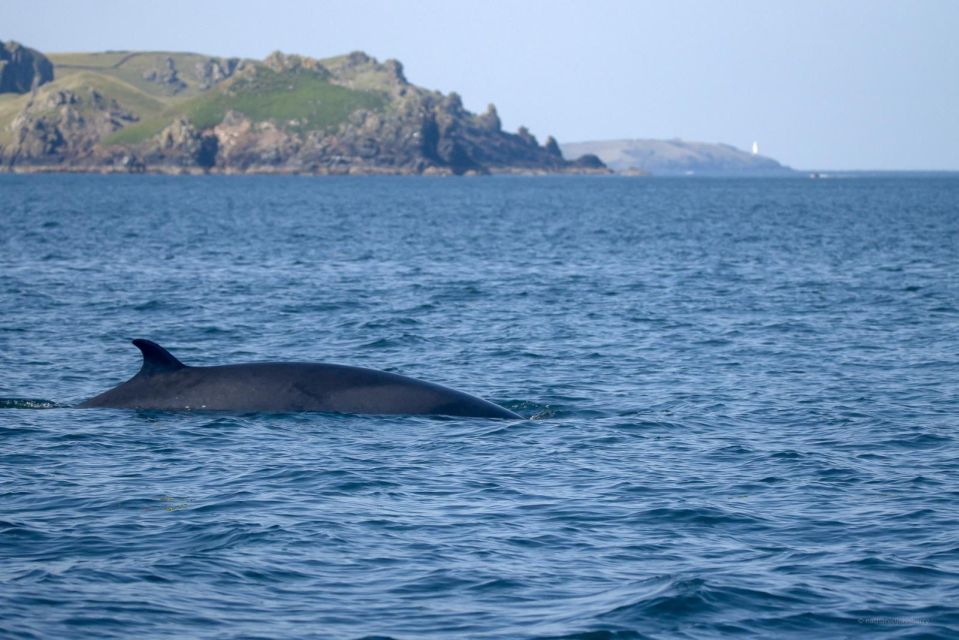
x,y
299,100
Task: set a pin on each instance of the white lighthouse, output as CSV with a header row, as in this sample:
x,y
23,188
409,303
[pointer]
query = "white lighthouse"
x,y
755,148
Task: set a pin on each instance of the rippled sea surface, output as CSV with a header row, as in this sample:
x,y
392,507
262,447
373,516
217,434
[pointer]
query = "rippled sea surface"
x,y
744,403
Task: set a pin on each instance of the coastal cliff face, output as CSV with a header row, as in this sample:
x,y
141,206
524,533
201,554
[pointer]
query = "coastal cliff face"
x,y
22,69
168,112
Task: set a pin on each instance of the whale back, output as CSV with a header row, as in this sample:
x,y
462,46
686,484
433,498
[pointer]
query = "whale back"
x,y
165,383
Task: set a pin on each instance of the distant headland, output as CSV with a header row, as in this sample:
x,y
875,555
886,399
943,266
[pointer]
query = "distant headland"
x,y
678,157
139,111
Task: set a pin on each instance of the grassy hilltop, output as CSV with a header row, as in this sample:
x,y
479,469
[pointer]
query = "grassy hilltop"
x,y
310,100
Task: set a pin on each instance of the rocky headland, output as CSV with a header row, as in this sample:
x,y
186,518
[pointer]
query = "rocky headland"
x,y
122,111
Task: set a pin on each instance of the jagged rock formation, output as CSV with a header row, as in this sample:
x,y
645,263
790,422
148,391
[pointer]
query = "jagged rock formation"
x,y
286,114
180,144
22,69
165,76
213,70
65,126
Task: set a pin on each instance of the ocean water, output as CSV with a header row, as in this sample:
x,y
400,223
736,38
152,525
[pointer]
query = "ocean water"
x,y
743,400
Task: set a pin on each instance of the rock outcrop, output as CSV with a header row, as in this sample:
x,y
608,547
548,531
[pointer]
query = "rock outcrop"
x,y
63,126
166,76
180,144
22,69
214,70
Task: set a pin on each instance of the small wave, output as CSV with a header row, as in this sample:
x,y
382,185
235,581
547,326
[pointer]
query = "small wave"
x,y
29,403
394,342
149,305
707,516
920,441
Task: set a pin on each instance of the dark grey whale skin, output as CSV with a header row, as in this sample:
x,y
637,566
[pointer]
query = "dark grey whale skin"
x,y
164,383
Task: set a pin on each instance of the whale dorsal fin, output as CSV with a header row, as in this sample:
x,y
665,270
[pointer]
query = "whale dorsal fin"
x,y
156,359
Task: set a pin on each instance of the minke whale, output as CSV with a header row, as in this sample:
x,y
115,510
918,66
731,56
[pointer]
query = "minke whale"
x,y
165,383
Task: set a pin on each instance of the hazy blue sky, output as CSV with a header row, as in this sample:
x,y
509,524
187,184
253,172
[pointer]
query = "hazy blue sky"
x,y
844,84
